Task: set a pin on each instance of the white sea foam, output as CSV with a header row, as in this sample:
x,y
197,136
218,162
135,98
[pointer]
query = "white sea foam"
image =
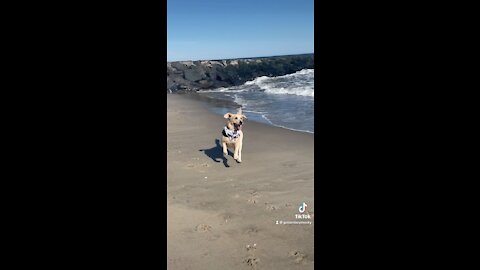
x,y
299,91
258,80
240,101
280,126
299,83
257,112
222,89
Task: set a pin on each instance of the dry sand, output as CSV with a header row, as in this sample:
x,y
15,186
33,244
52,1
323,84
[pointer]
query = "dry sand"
x,y
222,214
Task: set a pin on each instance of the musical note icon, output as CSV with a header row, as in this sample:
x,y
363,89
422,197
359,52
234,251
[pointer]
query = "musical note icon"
x,y
302,207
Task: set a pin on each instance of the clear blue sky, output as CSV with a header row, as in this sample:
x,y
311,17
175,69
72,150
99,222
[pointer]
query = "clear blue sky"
x,y
219,29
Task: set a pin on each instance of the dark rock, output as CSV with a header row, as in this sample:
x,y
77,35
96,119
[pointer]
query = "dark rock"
x,y
194,75
170,84
205,84
179,66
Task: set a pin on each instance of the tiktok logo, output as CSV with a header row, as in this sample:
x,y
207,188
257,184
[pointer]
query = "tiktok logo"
x,y
302,207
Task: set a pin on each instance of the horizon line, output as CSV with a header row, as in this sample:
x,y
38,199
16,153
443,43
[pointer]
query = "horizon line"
x,y
239,58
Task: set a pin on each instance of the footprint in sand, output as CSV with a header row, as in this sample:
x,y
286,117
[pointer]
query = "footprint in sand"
x,y
271,207
251,230
251,247
226,217
252,200
298,257
191,165
254,196
251,260
203,228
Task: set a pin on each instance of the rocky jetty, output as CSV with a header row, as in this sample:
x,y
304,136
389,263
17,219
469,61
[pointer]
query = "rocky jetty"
x,y
197,75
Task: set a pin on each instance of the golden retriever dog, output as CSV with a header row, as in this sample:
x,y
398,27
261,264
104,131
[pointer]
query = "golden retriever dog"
x,y
233,135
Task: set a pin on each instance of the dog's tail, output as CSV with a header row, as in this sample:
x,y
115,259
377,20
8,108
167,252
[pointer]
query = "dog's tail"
x,y
239,111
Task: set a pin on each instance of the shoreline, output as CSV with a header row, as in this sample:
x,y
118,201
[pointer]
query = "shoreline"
x,y
218,103
224,215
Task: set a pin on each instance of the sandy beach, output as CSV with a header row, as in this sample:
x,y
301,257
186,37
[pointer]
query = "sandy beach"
x,y
222,214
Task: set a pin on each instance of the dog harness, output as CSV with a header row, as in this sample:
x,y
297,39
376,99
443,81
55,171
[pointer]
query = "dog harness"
x,y
231,134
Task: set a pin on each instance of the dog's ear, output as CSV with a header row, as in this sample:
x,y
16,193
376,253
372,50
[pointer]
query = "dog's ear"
x,y
244,116
227,115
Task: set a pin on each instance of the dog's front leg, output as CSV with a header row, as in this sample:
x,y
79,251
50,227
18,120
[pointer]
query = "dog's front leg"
x,y
225,151
240,144
235,153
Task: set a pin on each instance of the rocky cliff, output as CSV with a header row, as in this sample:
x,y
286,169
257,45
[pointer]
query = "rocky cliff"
x,y
196,75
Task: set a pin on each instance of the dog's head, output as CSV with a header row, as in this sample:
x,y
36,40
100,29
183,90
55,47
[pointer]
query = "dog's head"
x,y
235,120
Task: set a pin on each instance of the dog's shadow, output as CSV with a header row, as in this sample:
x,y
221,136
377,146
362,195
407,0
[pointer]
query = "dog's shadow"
x,y
216,153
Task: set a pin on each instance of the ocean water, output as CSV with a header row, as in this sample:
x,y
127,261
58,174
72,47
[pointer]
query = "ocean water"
x,y
283,101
